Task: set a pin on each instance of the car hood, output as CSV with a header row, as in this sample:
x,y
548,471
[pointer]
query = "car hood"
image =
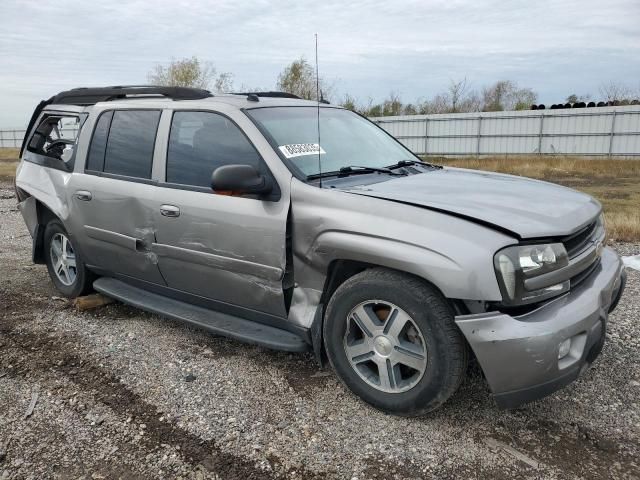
x,y
525,207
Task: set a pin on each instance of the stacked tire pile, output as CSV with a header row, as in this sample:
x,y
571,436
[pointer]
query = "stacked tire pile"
x,y
615,103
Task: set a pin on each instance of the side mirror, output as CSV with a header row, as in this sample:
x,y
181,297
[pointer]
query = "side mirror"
x,y
239,179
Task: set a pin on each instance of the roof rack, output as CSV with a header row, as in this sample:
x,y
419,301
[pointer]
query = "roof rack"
x,y
266,94
90,96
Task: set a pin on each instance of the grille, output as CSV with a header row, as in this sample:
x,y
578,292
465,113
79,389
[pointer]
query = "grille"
x,y
583,275
577,242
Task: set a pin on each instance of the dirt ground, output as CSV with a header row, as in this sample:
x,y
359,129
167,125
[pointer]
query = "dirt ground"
x,y
118,393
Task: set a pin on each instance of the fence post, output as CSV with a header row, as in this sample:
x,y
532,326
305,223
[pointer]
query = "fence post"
x,y
478,139
426,136
15,140
613,126
540,134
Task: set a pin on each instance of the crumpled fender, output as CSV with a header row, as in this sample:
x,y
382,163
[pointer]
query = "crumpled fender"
x,y
385,252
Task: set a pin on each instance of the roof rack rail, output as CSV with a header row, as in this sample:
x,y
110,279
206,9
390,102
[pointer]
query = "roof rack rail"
x,y
90,96
268,94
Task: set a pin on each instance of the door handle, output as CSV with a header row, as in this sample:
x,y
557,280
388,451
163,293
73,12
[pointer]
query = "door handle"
x,y
170,211
83,195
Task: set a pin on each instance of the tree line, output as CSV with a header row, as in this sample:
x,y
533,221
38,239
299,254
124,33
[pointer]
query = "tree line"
x,y
299,78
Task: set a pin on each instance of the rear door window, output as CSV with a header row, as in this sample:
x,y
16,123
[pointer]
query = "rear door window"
x,y
123,143
95,160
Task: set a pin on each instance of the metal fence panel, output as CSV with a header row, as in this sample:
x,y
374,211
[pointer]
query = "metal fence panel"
x,y
608,131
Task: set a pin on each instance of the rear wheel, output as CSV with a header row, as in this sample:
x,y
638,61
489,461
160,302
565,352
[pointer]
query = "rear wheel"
x,y
66,268
392,340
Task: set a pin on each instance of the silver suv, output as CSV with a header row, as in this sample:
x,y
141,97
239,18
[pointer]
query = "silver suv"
x,y
302,226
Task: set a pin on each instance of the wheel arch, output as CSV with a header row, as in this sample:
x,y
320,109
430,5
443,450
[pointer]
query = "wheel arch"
x,y
339,271
37,215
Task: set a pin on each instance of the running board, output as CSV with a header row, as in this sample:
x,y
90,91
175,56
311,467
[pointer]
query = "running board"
x,y
215,322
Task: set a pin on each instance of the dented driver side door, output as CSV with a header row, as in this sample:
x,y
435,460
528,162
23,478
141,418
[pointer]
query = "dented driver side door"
x,y
230,250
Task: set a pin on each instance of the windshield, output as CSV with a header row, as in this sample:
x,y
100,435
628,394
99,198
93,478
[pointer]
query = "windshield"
x,y
345,139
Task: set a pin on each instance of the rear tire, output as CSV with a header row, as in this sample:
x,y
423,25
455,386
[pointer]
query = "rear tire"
x,y
392,340
66,268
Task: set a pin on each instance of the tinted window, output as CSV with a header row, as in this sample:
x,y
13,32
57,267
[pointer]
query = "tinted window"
x,y
95,160
131,140
200,142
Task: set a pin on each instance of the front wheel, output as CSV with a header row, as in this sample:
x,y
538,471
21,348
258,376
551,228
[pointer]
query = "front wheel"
x,y
392,340
66,269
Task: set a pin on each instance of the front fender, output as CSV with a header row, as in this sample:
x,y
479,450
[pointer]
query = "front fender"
x,y
386,252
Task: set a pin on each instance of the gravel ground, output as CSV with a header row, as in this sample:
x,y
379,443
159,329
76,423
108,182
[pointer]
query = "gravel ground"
x,y
120,393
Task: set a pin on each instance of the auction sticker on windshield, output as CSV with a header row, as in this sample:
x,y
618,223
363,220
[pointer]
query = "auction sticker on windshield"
x,y
300,149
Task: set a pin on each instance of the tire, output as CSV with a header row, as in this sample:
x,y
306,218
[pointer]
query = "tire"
x,y
429,342
71,281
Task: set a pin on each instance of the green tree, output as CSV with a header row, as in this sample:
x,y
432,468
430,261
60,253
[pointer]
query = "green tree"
x,y
349,103
573,98
190,72
299,78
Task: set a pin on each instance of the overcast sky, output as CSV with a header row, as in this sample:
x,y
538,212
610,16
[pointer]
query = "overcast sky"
x,y
367,48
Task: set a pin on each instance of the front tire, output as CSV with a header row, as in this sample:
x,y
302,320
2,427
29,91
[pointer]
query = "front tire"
x,y
392,340
66,268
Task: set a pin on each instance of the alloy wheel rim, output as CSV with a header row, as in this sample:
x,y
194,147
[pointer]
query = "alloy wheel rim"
x,y
63,259
384,346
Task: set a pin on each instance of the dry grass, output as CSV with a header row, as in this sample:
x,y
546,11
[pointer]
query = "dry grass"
x,y
615,183
9,154
8,162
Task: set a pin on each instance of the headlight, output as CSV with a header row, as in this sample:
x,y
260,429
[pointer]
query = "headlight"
x,y
516,264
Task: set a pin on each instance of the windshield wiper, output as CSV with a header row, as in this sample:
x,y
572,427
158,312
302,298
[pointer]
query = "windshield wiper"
x,y
353,170
409,163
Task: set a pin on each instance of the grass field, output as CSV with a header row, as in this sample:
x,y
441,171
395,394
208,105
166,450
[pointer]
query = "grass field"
x,y
616,183
8,162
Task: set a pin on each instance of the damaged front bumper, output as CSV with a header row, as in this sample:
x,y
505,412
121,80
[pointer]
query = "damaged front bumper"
x,y
520,355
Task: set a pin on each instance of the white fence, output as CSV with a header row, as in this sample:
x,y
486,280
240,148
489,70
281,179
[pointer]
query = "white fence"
x,y
600,131
13,138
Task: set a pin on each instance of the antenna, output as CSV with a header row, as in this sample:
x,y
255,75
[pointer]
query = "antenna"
x,y
318,112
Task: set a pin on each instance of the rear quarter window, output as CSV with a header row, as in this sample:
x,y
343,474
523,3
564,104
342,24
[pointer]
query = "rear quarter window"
x,y
55,136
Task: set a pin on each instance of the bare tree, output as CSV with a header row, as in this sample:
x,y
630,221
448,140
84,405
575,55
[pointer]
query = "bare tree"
x,y
224,82
506,95
299,78
190,72
615,91
522,99
392,105
349,103
409,109
457,92
494,97
459,98
472,102
573,98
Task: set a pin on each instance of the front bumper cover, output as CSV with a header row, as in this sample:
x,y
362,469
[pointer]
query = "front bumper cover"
x,y
519,355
